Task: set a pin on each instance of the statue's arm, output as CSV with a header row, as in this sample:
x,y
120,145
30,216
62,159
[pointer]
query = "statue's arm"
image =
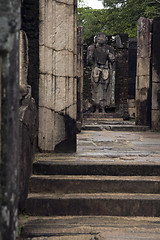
x,y
111,57
90,54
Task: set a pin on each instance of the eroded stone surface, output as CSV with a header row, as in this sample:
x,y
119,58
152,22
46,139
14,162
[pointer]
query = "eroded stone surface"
x,y
143,101
58,85
93,228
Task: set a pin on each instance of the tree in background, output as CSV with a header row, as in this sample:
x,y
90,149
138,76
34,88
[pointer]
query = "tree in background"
x,y
119,16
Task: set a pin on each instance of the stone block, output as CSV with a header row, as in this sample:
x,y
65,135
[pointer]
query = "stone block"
x,y
143,66
48,30
61,35
131,103
132,112
59,130
64,63
144,37
41,33
47,90
68,2
48,56
143,82
144,50
41,10
42,59
155,120
142,94
60,94
46,130
28,126
156,96
155,75
144,28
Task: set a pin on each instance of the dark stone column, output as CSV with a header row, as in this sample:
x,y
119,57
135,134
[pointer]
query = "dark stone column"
x,y
30,25
143,80
9,45
79,77
121,91
156,75
132,67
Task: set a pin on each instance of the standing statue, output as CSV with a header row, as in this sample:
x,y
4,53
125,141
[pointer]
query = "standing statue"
x,y
102,57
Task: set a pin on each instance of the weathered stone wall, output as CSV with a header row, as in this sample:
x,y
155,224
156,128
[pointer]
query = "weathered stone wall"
x,y
143,81
79,77
156,75
58,75
28,126
28,123
9,45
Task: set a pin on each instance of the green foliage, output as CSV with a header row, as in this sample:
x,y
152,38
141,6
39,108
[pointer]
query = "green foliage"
x,y
92,20
119,16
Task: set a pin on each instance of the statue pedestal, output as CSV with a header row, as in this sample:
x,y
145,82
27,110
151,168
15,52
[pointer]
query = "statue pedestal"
x,y
101,115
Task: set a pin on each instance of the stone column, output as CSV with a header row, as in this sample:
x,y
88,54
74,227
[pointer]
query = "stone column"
x,y
156,75
58,75
9,46
143,79
79,77
132,67
23,59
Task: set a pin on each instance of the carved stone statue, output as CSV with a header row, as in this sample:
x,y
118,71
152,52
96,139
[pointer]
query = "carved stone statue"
x,y
102,57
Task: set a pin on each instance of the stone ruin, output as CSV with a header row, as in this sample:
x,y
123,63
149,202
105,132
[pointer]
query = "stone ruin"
x,y
49,89
148,73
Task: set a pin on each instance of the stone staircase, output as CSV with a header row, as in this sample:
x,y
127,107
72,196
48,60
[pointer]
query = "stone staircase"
x,y
113,177
111,124
67,188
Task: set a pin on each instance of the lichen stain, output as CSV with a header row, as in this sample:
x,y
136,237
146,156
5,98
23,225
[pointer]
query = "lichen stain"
x,y
6,215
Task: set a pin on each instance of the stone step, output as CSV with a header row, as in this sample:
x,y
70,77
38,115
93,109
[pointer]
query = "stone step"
x,y
116,127
106,204
90,227
94,184
46,167
109,115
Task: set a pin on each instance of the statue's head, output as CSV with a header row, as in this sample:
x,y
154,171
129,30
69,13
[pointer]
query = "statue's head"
x,y
100,38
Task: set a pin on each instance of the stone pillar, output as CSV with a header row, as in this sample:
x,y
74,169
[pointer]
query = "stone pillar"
x,y
58,75
9,46
143,80
23,59
79,77
156,75
28,123
121,90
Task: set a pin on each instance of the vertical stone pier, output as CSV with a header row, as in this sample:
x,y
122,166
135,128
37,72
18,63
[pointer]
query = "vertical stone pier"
x,y
58,75
155,112
79,77
143,80
9,77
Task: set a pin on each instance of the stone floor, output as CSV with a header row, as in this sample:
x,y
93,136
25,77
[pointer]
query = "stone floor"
x,y
94,228
119,146
115,147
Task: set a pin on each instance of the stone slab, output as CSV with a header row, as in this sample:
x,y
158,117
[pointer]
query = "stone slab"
x,y
94,184
98,204
90,228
